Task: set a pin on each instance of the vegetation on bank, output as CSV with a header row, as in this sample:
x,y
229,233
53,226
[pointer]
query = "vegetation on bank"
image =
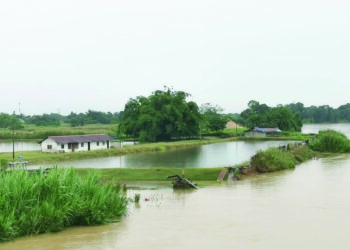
x,y
157,174
331,141
37,133
261,115
41,203
274,159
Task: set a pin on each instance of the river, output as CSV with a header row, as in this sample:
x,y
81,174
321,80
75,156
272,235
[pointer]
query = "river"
x,y
304,208
314,128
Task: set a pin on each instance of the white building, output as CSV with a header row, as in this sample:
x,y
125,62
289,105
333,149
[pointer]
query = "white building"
x,y
75,143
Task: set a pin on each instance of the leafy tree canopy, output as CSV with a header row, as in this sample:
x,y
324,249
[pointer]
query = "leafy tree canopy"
x,y
261,115
162,116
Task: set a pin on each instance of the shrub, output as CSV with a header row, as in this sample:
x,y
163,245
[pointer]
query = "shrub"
x,y
273,159
40,203
331,141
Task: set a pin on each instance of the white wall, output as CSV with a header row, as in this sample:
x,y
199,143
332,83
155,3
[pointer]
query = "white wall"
x,y
45,143
56,148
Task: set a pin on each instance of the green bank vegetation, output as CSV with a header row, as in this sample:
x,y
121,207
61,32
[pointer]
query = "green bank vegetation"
x,y
30,132
274,159
331,141
38,203
157,174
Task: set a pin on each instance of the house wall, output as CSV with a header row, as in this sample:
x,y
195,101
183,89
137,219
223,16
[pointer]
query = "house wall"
x,y
56,148
54,145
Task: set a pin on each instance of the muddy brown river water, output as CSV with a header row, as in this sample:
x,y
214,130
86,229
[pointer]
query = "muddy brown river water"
x,y
305,208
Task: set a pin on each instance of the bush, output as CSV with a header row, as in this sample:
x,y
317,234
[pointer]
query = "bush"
x,y
40,203
272,159
331,141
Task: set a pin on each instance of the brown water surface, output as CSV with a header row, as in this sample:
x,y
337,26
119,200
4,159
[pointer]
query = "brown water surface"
x,y
305,208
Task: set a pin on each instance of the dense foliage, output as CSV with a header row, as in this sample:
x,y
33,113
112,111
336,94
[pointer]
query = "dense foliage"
x,y
38,203
161,116
331,141
321,114
274,159
261,115
74,119
212,119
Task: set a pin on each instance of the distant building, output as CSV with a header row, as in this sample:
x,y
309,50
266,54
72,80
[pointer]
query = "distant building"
x,y
75,143
231,124
262,132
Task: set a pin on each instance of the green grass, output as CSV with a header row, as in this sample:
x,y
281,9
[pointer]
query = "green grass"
x,y
31,132
157,174
273,159
331,141
38,203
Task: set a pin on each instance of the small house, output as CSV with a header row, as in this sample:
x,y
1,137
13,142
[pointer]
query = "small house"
x,y
75,143
262,132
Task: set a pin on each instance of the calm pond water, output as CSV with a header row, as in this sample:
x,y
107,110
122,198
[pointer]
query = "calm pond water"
x,y
305,208
205,156
19,146
314,128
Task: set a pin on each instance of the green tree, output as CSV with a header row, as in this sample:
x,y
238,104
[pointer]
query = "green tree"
x,y
161,116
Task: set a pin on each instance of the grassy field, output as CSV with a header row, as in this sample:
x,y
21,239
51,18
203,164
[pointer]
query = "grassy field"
x,y
32,132
156,174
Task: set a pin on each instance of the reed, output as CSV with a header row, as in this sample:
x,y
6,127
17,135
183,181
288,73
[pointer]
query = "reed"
x,y
41,203
331,141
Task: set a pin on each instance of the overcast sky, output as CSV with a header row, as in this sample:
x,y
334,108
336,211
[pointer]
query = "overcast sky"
x,y
62,56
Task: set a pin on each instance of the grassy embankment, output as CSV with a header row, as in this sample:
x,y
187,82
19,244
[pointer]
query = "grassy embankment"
x,y
38,203
157,174
31,132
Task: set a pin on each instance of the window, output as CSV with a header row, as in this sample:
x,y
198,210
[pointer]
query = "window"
x,y
62,146
98,143
103,143
69,145
49,146
82,144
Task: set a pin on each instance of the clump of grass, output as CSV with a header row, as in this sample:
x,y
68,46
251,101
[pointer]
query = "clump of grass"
x,y
137,198
274,159
331,141
40,203
3,164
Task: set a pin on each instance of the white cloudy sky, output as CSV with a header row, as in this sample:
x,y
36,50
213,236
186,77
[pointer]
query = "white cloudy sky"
x,y
78,55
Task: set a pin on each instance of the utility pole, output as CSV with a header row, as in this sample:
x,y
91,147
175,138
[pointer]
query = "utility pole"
x,y
13,145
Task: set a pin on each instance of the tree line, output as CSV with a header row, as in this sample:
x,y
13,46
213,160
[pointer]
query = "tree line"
x,y
321,114
55,120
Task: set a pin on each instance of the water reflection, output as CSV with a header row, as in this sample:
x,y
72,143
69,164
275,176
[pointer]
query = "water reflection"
x,y
205,156
19,146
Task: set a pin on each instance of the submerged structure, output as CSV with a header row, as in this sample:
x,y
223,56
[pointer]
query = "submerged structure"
x,y
182,183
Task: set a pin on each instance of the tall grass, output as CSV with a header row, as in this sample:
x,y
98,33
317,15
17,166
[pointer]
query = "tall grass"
x,y
331,141
274,159
39,203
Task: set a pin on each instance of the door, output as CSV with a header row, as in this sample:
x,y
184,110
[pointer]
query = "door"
x,y
88,146
107,144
